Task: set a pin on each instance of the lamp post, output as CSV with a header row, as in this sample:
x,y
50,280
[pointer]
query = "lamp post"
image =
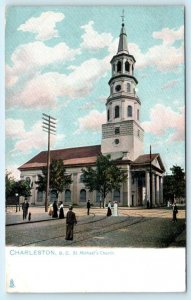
x,y
49,126
16,195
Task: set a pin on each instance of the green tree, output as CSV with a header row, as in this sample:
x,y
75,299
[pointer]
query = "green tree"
x,y
9,184
22,188
58,177
179,183
13,187
105,177
174,185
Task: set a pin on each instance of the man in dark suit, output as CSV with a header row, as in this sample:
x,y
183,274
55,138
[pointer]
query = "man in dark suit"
x,y
70,221
88,207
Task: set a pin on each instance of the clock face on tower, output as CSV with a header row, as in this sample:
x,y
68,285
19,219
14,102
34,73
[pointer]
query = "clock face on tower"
x,y
118,88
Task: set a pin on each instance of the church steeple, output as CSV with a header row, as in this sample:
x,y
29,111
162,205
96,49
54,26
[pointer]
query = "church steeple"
x,y
123,41
122,47
123,132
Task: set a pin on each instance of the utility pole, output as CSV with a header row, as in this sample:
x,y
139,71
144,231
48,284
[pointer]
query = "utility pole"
x,y
49,126
151,190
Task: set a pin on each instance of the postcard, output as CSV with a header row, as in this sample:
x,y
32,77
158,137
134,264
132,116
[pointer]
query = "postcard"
x,y
95,149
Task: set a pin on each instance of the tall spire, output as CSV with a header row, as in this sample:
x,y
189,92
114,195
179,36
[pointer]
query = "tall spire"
x,y
123,37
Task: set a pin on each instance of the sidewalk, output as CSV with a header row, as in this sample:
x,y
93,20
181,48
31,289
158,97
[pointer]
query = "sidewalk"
x,y
38,214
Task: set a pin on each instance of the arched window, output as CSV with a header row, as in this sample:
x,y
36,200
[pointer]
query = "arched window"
x,y
39,196
83,195
98,196
119,66
116,196
108,115
128,87
67,196
129,111
53,195
117,111
127,66
82,178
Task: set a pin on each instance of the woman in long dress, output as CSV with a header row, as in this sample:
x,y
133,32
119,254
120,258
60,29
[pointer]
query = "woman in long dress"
x,y
109,213
61,213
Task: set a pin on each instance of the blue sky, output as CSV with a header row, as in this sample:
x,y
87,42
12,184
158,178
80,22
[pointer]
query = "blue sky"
x,y
58,62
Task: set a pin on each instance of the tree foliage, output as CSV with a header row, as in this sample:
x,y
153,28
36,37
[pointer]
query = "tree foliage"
x,y
19,187
58,177
105,177
174,185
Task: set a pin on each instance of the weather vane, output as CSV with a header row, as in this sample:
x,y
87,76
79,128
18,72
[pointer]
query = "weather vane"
x,y
123,16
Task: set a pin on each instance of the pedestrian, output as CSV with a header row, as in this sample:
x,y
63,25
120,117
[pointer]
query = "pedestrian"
x,y
88,207
25,207
70,221
61,212
109,213
55,210
174,212
50,209
115,209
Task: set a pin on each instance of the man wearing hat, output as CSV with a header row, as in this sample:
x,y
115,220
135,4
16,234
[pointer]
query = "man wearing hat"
x,y
70,221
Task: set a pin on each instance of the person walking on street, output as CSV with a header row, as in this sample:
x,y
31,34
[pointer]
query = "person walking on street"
x,y
109,213
61,212
70,221
174,212
25,207
88,207
55,210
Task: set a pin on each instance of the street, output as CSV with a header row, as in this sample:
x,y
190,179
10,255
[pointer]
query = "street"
x,y
132,228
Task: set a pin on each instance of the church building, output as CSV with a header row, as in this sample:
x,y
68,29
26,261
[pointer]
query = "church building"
x,y
122,138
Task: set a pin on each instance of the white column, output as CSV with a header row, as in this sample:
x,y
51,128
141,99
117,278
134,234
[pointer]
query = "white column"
x,y
153,190
157,191
147,183
161,190
129,181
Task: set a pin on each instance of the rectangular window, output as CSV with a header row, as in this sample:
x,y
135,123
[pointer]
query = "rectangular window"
x,y
117,130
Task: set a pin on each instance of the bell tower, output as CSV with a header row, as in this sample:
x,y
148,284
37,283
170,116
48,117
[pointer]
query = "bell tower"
x,y
122,135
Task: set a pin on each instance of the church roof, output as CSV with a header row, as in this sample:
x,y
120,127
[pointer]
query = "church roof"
x,y
145,160
70,156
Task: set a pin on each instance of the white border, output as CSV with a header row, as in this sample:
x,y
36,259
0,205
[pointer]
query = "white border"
x,y
187,5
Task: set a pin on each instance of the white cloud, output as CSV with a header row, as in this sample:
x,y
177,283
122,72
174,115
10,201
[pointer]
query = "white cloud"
x,y
13,169
92,121
43,89
33,56
164,57
43,26
14,128
170,84
163,118
93,40
169,36
33,139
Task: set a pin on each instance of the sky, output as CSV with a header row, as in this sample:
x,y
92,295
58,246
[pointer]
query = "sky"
x,y
58,62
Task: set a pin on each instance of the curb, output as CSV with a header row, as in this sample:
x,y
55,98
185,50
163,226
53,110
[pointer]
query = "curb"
x,y
30,222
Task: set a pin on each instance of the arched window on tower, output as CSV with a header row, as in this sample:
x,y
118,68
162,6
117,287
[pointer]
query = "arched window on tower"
x,y
129,111
132,69
127,66
108,115
119,66
117,111
138,114
128,87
